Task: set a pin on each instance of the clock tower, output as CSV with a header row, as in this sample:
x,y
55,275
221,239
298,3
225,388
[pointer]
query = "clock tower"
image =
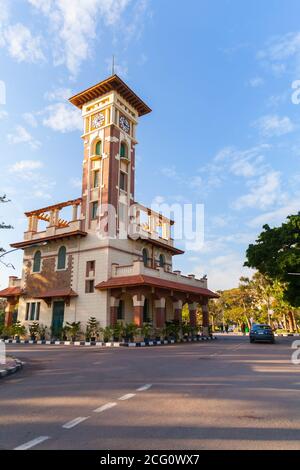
x,y
110,112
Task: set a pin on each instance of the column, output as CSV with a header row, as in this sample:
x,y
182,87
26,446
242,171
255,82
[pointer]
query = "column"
x,y
205,318
114,304
138,309
193,314
9,311
74,212
160,312
177,309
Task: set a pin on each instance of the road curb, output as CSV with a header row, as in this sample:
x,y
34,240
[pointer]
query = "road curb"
x,y
113,344
11,370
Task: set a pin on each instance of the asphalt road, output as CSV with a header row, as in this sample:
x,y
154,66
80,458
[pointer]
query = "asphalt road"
x,y
226,394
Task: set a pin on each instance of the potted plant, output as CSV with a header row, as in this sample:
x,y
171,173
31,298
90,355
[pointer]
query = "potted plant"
x,y
33,330
7,332
42,332
107,333
146,331
73,329
92,329
118,331
18,330
130,331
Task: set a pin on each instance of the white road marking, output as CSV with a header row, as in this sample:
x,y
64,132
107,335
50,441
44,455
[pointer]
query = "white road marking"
x,y
144,387
74,422
105,407
127,397
32,443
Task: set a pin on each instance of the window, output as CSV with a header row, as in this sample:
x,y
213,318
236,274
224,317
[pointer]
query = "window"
x,y
123,181
96,179
27,311
161,261
123,152
89,286
32,311
37,311
145,257
120,312
37,262
146,318
90,268
94,210
61,261
98,148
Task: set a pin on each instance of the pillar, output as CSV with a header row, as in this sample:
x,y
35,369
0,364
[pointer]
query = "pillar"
x,y
193,314
74,212
205,318
160,312
114,304
9,311
138,309
177,309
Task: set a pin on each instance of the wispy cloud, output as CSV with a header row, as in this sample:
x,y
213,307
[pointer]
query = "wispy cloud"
x,y
25,166
21,44
256,82
264,192
75,23
273,125
62,117
282,53
22,136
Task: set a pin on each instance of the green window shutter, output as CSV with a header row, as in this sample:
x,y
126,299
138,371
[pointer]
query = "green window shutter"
x,y
98,148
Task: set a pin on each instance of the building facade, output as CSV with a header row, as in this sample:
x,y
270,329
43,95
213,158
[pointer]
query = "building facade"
x,y
103,254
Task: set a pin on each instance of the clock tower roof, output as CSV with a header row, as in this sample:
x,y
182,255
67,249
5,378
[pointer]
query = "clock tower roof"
x,y
113,83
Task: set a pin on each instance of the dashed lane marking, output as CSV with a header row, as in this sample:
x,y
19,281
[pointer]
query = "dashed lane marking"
x,y
127,396
34,442
74,422
105,407
144,387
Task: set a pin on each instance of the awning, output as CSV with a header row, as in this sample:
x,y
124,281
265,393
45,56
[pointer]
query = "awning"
x,y
11,292
56,293
140,280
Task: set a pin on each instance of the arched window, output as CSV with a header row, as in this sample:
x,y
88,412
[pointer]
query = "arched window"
x,y
37,262
98,148
145,257
121,311
61,261
124,153
161,261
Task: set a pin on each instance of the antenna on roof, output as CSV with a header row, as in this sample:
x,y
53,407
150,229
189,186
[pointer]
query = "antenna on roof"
x,y
113,65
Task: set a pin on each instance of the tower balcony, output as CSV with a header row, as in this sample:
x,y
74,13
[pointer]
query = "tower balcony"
x,y
56,225
150,225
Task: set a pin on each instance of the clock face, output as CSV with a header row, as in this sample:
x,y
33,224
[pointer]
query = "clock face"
x,y
124,124
98,120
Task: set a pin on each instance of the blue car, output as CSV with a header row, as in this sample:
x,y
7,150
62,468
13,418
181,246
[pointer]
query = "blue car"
x,y
261,333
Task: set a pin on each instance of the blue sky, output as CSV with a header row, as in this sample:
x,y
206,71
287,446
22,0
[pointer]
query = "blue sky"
x,y
224,131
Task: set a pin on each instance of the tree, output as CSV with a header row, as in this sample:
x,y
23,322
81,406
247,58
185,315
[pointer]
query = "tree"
x,y
4,200
277,254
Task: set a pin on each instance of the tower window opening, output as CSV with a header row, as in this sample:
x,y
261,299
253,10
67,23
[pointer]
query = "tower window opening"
x,y
124,150
123,181
98,148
